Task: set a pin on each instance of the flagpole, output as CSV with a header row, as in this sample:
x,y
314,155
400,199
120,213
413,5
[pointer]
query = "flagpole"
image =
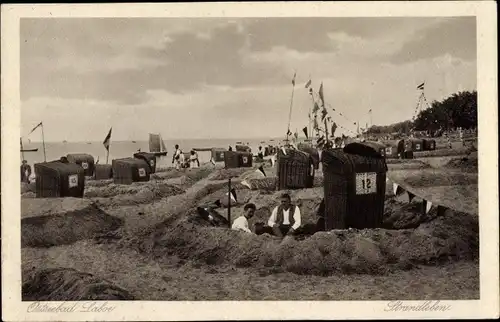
x,y
22,149
229,203
291,104
43,143
107,154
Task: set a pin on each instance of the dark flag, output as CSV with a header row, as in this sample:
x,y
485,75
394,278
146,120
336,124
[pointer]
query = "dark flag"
x,y
321,94
305,131
334,128
36,127
293,80
107,140
421,86
308,83
288,133
324,113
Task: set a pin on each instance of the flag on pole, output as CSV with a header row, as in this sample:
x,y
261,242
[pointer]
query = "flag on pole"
x,y
321,94
305,131
288,132
36,127
233,195
107,140
308,83
421,86
293,80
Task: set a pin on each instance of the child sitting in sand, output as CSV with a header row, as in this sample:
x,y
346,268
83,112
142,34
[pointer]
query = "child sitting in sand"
x,y
241,223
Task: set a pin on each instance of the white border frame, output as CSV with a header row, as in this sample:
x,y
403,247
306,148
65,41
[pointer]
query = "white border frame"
x,y
488,306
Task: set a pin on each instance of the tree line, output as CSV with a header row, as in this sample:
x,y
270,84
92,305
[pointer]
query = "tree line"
x,y
457,110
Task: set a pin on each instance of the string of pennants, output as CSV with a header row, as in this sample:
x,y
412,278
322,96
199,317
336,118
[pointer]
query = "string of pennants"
x,y
398,190
324,112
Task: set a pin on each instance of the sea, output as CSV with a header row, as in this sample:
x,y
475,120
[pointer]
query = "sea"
x,y
124,149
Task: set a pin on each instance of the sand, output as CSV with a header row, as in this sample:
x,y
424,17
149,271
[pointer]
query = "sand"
x,y
162,243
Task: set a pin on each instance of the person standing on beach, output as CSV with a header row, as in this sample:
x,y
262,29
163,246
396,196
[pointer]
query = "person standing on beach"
x,y
241,223
285,218
25,171
193,160
176,158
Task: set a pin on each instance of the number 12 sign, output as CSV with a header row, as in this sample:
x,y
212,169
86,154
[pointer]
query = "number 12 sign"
x,y
366,183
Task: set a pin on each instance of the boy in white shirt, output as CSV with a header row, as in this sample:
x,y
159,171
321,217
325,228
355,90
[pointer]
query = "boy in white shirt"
x,y
241,223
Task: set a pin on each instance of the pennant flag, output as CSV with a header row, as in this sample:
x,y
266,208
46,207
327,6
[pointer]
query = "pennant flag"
x,y
293,80
218,203
421,86
410,196
246,184
427,205
36,127
288,132
315,108
370,110
261,170
233,195
395,187
308,83
283,150
324,113
321,94
212,161
320,141
305,132
334,128
107,140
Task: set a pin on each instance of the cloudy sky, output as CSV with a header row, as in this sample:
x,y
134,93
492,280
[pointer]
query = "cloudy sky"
x,y
227,78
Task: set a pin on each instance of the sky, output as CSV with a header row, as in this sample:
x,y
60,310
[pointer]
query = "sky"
x,y
227,78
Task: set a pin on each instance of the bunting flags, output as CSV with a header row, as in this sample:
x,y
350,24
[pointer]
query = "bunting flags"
x,y
107,140
308,83
36,127
321,94
261,171
246,184
283,150
218,203
315,108
395,187
293,80
427,206
410,196
305,132
421,86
